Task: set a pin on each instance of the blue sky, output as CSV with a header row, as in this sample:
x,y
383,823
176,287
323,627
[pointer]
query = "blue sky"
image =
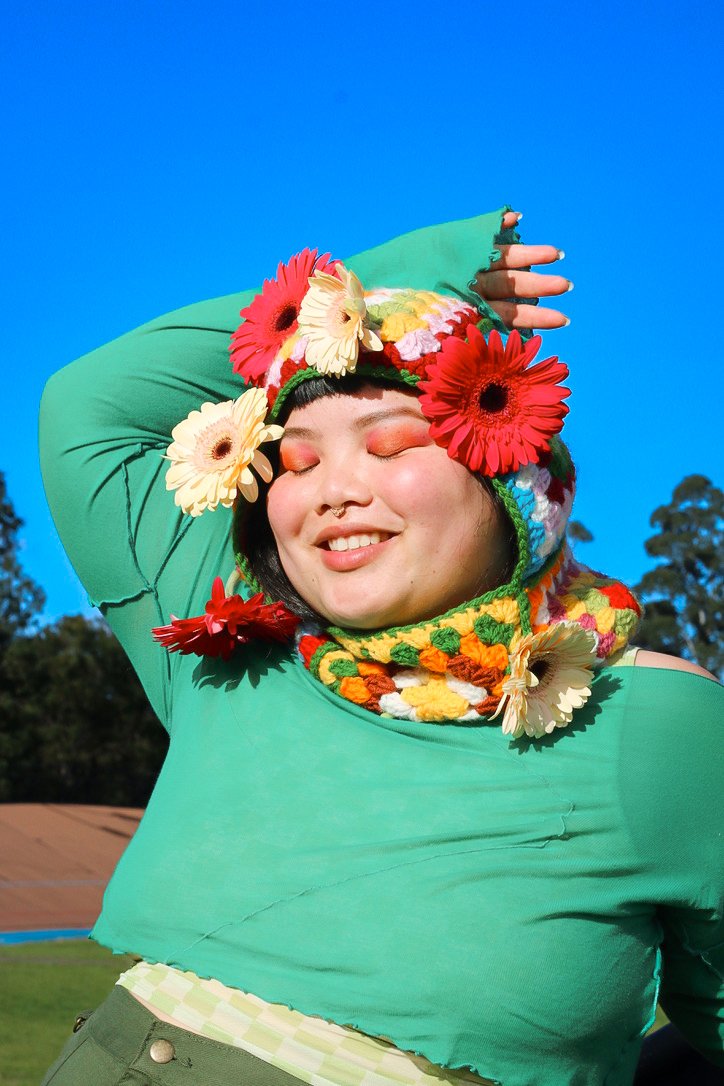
x,y
160,153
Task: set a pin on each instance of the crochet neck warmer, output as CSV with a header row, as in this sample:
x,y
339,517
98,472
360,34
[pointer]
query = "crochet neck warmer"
x,y
458,667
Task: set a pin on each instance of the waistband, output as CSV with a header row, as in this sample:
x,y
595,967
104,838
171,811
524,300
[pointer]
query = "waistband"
x,y
131,1034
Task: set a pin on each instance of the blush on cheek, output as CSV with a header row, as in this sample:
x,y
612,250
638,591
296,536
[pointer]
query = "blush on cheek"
x,y
279,508
421,474
407,483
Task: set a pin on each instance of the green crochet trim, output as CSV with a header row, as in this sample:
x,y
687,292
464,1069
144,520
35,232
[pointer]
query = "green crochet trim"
x,y
447,640
491,632
560,463
343,668
405,655
242,564
366,369
319,655
521,536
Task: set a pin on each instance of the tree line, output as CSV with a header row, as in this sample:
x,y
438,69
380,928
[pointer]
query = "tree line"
x,y
75,724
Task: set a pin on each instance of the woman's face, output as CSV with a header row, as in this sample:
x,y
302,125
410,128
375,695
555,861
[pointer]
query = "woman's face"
x,y
418,533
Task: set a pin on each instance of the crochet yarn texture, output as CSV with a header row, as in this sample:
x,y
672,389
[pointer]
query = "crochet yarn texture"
x,y
454,667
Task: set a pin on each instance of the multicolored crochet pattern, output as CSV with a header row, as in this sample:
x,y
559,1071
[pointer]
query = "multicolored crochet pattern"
x,y
412,325
454,667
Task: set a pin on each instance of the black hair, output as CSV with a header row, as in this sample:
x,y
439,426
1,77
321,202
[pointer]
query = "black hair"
x,y
252,532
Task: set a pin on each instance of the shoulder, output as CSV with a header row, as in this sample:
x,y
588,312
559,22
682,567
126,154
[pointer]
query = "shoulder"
x,y
647,658
665,740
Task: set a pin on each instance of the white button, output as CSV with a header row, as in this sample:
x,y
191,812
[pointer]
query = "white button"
x,y
162,1052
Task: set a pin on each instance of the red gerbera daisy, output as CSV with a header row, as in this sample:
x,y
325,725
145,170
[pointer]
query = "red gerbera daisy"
x,y
228,621
487,406
272,317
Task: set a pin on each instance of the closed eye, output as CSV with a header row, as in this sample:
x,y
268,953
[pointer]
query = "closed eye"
x,y
387,442
297,460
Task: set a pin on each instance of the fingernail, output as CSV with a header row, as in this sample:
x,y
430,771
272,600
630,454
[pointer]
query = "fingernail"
x,y
566,322
561,254
570,286
520,215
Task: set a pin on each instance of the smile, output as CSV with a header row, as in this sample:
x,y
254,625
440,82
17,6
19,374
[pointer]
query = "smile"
x,y
355,542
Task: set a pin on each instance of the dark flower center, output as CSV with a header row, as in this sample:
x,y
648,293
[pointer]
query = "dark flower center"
x,y
540,669
222,448
285,317
494,398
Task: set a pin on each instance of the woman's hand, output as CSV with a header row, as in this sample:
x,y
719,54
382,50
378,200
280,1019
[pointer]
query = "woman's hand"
x,y
507,280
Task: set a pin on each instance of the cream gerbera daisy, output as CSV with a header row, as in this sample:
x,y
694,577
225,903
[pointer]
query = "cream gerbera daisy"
x,y
214,449
550,677
332,317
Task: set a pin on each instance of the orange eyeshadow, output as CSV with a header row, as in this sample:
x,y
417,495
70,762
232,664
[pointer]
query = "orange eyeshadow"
x,y
297,457
391,439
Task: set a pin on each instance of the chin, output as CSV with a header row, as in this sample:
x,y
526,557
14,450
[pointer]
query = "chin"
x,y
359,622
353,618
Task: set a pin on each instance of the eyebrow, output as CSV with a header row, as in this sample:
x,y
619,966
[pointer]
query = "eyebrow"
x,y
361,423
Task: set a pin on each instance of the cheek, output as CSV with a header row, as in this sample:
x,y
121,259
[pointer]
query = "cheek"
x,y
435,487
284,509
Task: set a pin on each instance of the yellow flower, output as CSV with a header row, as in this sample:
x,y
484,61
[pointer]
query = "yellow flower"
x,y
550,677
332,317
214,449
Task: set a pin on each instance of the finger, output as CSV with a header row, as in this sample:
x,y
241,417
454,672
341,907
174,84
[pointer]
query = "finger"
x,y
529,316
520,284
522,256
510,219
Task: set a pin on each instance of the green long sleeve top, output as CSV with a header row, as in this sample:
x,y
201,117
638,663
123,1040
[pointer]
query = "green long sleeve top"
x,y
513,907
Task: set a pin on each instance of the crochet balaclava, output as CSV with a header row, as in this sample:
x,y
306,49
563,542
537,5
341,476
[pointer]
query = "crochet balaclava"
x,y
526,649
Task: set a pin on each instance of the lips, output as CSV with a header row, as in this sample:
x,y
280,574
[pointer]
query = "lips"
x,y
355,542
330,533
344,553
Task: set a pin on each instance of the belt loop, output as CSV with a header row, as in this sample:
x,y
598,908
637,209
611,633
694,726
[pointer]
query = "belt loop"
x,y
80,1020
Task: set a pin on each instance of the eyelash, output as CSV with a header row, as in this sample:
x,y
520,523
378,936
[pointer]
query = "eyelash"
x,y
299,471
376,455
387,456
403,447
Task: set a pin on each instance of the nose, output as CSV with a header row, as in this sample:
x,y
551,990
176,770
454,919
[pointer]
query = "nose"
x,y
343,484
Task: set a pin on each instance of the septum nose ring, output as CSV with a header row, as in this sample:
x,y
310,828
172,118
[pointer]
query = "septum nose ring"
x,y
337,511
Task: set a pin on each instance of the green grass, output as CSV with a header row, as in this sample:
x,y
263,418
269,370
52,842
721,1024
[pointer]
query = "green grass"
x,y
43,986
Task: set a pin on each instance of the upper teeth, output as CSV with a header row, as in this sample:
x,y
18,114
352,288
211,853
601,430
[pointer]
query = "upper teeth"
x,y
352,542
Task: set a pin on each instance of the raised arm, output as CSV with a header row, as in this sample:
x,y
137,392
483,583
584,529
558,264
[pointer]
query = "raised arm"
x,y
105,423
478,259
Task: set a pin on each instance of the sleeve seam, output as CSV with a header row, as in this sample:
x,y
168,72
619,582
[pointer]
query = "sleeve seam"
x,y
152,588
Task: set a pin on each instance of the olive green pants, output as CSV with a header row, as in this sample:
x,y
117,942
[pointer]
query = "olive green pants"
x,y
121,1042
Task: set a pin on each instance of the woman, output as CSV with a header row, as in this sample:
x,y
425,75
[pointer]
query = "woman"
x,y
423,841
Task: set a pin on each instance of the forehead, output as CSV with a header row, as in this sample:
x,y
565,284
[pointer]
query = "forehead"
x,y
359,409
